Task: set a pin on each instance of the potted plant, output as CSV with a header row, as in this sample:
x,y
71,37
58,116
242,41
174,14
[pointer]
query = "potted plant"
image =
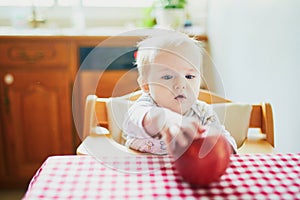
x,y
170,13
173,4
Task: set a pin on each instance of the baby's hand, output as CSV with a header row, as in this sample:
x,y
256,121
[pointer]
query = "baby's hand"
x,y
183,134
174,128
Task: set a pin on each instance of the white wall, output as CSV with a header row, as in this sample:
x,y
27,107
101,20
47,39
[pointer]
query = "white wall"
x,y
255,45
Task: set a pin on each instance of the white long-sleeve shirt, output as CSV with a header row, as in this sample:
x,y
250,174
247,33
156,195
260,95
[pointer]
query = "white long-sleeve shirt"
x,y
137,138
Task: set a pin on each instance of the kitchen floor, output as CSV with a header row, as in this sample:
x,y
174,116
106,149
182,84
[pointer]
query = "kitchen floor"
x,y
11,194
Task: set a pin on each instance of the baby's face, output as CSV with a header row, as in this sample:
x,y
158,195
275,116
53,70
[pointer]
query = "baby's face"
x,y
173,82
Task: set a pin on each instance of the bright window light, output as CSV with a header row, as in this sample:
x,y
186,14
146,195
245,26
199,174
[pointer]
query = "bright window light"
x,y
117,3
43,3
87,3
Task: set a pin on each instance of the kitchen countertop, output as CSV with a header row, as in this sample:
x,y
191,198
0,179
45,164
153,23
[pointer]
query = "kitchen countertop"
x,y
95,31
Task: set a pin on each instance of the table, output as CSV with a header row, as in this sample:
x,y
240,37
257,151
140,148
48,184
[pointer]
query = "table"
x,y
250,176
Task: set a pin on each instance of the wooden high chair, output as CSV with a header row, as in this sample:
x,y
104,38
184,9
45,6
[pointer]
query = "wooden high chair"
x,y
96,136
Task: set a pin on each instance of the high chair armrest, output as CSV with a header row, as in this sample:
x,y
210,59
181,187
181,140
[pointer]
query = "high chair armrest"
x,y
256,143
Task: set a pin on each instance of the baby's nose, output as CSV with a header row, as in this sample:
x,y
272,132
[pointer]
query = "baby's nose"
x,y
180,83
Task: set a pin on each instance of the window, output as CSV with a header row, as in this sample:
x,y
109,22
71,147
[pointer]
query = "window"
x,y
117,3
87,3
45,3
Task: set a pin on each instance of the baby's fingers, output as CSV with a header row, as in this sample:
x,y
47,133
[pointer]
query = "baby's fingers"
x,y
190,130
178,136
193,130
200,129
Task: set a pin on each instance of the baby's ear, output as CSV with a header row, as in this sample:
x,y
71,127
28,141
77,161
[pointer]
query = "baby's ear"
x,y
143,84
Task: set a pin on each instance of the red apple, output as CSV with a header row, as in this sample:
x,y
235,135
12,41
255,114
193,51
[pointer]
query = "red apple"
x,y
205,160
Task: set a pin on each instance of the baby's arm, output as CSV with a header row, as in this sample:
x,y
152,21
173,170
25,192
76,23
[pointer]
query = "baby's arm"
x,y
146,122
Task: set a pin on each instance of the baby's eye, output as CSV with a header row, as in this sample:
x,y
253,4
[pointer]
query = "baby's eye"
x,y
167,77
190,76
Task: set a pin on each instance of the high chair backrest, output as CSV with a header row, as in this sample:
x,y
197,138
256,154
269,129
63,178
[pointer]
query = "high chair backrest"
x,y
98,112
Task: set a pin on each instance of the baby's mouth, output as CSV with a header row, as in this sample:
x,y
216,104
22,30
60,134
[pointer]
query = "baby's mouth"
x,y
180,97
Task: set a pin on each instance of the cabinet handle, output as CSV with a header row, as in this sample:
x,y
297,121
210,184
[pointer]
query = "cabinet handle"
x,y
8,79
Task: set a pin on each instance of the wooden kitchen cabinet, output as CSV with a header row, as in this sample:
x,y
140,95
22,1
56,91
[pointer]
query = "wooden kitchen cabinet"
x,y
36,115
2,157
37,78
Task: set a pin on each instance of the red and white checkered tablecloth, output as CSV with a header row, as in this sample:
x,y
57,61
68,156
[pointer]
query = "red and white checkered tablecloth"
x,y
260,176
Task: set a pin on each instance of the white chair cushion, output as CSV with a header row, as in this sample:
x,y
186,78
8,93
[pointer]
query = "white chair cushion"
x,y
235,117
116,109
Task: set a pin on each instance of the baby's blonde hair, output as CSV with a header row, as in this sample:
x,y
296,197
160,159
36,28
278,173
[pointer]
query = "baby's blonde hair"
x,y
171,42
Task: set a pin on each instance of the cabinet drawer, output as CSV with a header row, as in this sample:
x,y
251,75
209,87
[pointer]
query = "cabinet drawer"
x,y
34,54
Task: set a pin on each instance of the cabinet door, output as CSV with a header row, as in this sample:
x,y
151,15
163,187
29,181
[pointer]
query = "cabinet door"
x,y
37,118
3,168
